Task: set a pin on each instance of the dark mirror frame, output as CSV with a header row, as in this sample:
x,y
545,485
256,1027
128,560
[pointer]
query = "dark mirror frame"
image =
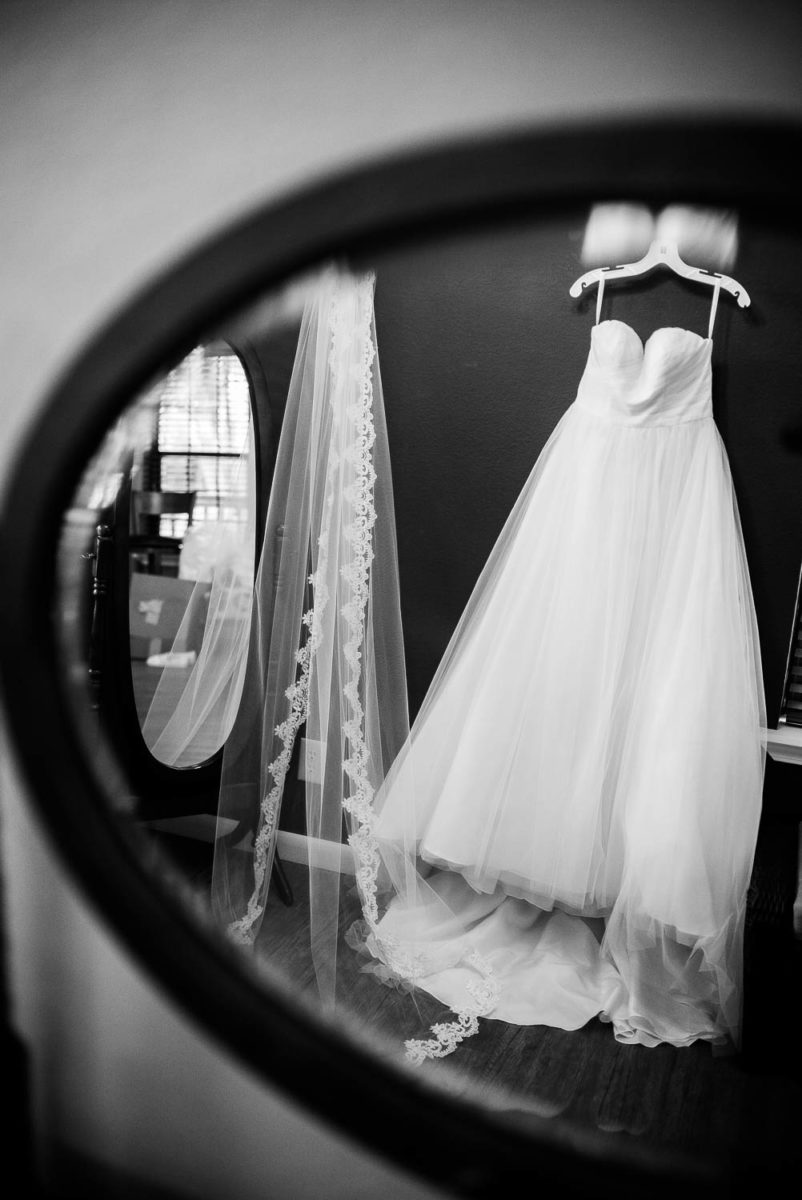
x,y
455,1143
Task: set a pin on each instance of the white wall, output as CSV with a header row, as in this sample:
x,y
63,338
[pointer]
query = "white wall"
x,y
130,130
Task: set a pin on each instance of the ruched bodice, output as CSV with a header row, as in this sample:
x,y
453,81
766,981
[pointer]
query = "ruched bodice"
x,y
667,381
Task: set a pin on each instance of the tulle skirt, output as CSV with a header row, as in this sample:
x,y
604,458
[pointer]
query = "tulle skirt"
x,y
584,778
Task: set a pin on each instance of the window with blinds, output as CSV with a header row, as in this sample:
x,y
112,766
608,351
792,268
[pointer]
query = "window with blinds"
x,y
791,707
201,437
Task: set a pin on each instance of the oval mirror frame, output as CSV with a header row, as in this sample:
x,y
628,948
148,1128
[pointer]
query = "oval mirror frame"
x,y
453,1142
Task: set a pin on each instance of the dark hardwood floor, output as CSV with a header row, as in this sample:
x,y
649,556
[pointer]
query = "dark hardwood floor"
x,y
744,1110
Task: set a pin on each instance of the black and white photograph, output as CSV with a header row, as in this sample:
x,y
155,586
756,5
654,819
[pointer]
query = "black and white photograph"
x,y
401,599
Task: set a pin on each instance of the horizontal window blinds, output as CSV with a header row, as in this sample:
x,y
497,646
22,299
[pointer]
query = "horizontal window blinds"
x,y
202,436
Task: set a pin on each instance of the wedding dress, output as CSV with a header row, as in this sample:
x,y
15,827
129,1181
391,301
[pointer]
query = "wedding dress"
x,y
584,778
567,830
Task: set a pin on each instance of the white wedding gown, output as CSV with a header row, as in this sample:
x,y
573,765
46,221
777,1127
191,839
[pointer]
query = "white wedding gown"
x,y
585,775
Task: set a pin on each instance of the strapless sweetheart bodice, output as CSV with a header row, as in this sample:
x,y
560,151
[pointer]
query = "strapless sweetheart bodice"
x,y
664,382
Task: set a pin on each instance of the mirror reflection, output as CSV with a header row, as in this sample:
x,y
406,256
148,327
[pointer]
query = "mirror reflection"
x,y
173,491
191,545
493,703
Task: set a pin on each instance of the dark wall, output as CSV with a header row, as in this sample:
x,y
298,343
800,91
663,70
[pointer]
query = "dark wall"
x,y
481,350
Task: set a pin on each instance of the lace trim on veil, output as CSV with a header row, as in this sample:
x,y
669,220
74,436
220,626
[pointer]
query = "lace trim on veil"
x,y
242,931
403,961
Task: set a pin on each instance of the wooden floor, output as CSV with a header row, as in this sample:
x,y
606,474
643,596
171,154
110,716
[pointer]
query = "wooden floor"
x,y
173,680
146,680
744,1110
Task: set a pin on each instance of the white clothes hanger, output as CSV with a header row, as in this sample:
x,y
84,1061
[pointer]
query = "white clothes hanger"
x,y
662,253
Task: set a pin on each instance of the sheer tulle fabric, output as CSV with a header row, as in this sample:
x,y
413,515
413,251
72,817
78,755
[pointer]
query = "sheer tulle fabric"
x,y
568,829
190,716
591,746
325,654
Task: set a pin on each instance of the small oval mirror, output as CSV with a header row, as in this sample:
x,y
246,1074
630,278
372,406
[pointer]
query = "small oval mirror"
x,y
191,501
169,501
